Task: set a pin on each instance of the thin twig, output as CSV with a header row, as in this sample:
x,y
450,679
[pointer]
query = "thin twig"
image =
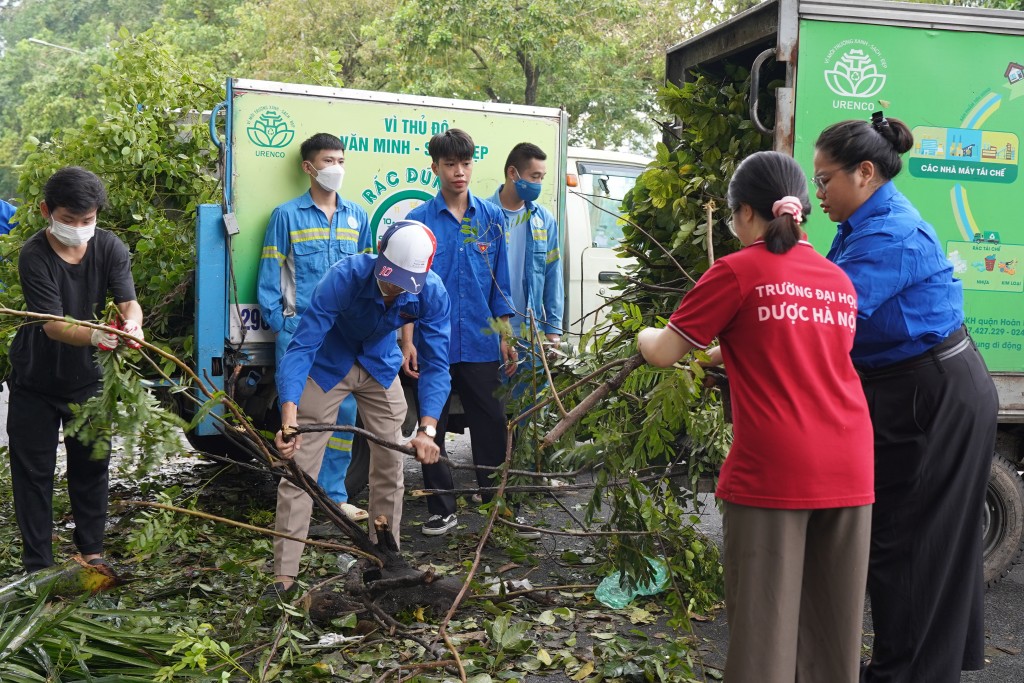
x,y
455,653
327,545
654,288
709,208
580,534
544,360
484,535
419,493
535,589
572,387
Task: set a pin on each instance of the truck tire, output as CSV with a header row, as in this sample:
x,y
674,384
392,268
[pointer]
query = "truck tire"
x,y
1003,521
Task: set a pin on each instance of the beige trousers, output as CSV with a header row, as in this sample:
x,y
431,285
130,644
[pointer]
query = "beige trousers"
x,y
382,411
794,593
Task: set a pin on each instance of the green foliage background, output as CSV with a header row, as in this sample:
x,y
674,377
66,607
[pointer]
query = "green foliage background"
x,y
152,149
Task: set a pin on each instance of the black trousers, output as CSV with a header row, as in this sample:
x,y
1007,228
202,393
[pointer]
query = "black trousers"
x,y
935,429
477,384
33,423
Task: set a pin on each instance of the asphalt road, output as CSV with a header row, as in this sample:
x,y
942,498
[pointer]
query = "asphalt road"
x,y
1004,623
1004,604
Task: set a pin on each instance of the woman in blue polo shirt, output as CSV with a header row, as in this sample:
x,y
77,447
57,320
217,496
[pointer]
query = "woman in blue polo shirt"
x,y
933,408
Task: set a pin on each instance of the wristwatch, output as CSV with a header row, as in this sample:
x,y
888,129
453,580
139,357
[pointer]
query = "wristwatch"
x,y
429,430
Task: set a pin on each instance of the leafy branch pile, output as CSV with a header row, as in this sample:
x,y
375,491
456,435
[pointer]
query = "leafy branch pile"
x,y
651,442
127,408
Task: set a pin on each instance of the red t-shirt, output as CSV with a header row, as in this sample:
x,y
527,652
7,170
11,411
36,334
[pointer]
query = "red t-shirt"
x,y
802,435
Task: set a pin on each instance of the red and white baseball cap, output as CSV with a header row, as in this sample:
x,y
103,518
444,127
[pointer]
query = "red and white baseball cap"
x,y
404,255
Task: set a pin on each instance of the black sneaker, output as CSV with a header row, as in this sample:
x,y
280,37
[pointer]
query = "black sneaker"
x,y
438,525
276,592
525,534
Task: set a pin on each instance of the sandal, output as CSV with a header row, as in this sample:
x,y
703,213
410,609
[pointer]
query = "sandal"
x,y
102,562
353,513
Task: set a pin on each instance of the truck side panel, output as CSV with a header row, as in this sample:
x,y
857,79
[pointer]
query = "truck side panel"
x,y
387,164
962,94
211,302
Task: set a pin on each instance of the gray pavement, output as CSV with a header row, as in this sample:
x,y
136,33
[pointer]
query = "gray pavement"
x,y
1004,623
1004,603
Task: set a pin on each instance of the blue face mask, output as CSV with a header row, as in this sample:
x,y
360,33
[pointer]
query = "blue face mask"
x,y
526,190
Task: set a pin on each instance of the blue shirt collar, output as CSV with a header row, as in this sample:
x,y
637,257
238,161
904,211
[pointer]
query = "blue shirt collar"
x,y
438,205
306,201
880,197
496,199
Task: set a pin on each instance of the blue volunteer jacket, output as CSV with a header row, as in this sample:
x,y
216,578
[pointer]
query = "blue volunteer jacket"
x,y
472,261
542,275
298,249
347,323
907,297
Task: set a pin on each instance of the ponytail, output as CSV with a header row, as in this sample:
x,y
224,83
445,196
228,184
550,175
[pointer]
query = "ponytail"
x,y
783,231
775,187
881,141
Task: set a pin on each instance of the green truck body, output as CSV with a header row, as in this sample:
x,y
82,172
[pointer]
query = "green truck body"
x,y
955,75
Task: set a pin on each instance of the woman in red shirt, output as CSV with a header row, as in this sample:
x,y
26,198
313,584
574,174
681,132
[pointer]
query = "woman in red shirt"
x,y
797,485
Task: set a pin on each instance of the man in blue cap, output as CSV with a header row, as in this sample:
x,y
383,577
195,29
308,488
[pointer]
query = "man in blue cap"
x,y
346,344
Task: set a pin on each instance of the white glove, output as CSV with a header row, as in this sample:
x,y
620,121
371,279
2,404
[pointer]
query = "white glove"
x,y
133,328
104,341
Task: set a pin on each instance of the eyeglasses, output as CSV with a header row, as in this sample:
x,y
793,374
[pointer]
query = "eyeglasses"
x,y
821,180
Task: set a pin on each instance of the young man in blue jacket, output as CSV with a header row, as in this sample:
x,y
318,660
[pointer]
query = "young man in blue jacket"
x,y
534,259
6,214
345,345
472,260
304,238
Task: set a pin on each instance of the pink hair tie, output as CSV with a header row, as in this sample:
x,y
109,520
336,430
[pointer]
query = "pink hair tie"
x,y
791,205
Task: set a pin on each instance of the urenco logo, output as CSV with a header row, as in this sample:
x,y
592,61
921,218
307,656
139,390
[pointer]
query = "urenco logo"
x,y
270,128
855,69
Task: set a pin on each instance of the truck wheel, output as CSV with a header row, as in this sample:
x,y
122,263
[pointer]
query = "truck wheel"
x,y
1003,521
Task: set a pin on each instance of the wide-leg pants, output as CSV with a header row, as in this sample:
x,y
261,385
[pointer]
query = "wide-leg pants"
x,y
935,428
382,410
794,593
338,455
33,426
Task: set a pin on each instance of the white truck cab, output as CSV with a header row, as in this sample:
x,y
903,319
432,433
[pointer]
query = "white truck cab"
x,y
597,181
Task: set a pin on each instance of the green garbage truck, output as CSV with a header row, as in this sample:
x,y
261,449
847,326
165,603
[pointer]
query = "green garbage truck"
x,y
955,75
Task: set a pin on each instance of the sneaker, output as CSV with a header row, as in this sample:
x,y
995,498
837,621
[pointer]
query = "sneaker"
x,y
525,534
438,525
353,513
276,592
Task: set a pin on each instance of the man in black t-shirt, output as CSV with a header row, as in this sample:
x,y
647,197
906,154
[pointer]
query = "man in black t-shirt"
x,y
65,270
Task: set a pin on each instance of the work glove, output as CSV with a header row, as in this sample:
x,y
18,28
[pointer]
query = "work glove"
x,y
104,341
133,328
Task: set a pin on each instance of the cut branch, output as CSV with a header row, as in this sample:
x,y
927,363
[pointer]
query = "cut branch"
x,y
587,404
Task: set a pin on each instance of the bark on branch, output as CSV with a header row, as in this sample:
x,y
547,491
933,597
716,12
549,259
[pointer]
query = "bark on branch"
x,y
587,404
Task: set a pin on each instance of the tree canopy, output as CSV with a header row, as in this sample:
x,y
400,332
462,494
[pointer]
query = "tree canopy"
x,y
600,59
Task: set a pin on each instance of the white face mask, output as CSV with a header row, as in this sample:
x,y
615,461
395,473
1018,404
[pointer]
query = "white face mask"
x,y
330,178
70,236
